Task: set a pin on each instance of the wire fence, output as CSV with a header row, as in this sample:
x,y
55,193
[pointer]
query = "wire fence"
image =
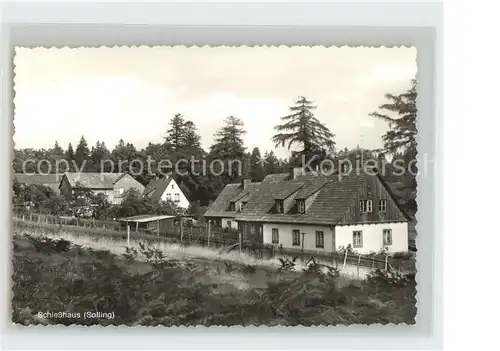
x,y
199,236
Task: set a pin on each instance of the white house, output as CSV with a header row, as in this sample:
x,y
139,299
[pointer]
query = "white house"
x,y
324,213
166,190
111,185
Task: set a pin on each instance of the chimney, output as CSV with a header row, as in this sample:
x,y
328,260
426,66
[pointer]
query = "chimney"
x,y
296,172
245,182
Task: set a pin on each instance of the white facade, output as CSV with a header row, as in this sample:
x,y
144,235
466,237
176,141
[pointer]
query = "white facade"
x,y
372,236
174,193
285,236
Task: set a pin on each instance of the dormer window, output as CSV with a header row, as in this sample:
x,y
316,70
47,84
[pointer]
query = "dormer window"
x,y
279,206
232,206
365,206
301,204
382,205
242,205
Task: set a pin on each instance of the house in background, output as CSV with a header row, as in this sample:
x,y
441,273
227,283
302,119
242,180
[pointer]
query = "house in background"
x,y
49,180
112,185
166,190
229,203
324,213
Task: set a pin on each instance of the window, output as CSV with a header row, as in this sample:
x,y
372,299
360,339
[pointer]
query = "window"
x,y
295,237
320,239
365,206
172,186
119,191
279,206
232,206
252,229
382,205
302,206
169,197
357,238
275,239
229,224
177,197
387,233
242,205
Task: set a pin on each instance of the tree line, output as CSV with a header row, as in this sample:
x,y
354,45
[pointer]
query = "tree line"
x,y
300,130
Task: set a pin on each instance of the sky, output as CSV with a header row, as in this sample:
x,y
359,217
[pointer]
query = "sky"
x,y
108,94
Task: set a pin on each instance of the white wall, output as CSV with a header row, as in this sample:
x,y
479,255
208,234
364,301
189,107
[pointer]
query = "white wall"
x,y
173,189
373,237
285,236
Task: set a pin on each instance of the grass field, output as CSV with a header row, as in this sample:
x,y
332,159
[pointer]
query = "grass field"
x,y
149,286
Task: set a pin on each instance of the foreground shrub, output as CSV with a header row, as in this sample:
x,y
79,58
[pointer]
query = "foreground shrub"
x,y
145,288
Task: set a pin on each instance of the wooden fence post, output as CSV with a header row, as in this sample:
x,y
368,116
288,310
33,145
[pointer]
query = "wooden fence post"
x,y
158,226
359,261
345,257
208,233
240,240
181,224
128,235
386,261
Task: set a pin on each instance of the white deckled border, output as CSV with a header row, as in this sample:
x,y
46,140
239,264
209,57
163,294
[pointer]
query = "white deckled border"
x,y
419,25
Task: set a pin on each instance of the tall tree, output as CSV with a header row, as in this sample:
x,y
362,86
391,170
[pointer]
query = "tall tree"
x,y
57,150
70,153
400,141
257,163
99,153
401,137
191,136
82,152
229,149
177,132
229,139
302,128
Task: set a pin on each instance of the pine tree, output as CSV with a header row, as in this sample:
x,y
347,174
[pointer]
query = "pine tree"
x,y
400,141
302,128
228,148
57,150
70,155
177,132
403,129
229,139
82,152
191,136
257,163
99,153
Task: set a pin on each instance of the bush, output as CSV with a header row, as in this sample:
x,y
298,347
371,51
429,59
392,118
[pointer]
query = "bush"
x,y
167,292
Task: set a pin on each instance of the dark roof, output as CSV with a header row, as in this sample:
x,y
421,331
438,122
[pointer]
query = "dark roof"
x,y
38,178
333,197
276,177
93,180
231,192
